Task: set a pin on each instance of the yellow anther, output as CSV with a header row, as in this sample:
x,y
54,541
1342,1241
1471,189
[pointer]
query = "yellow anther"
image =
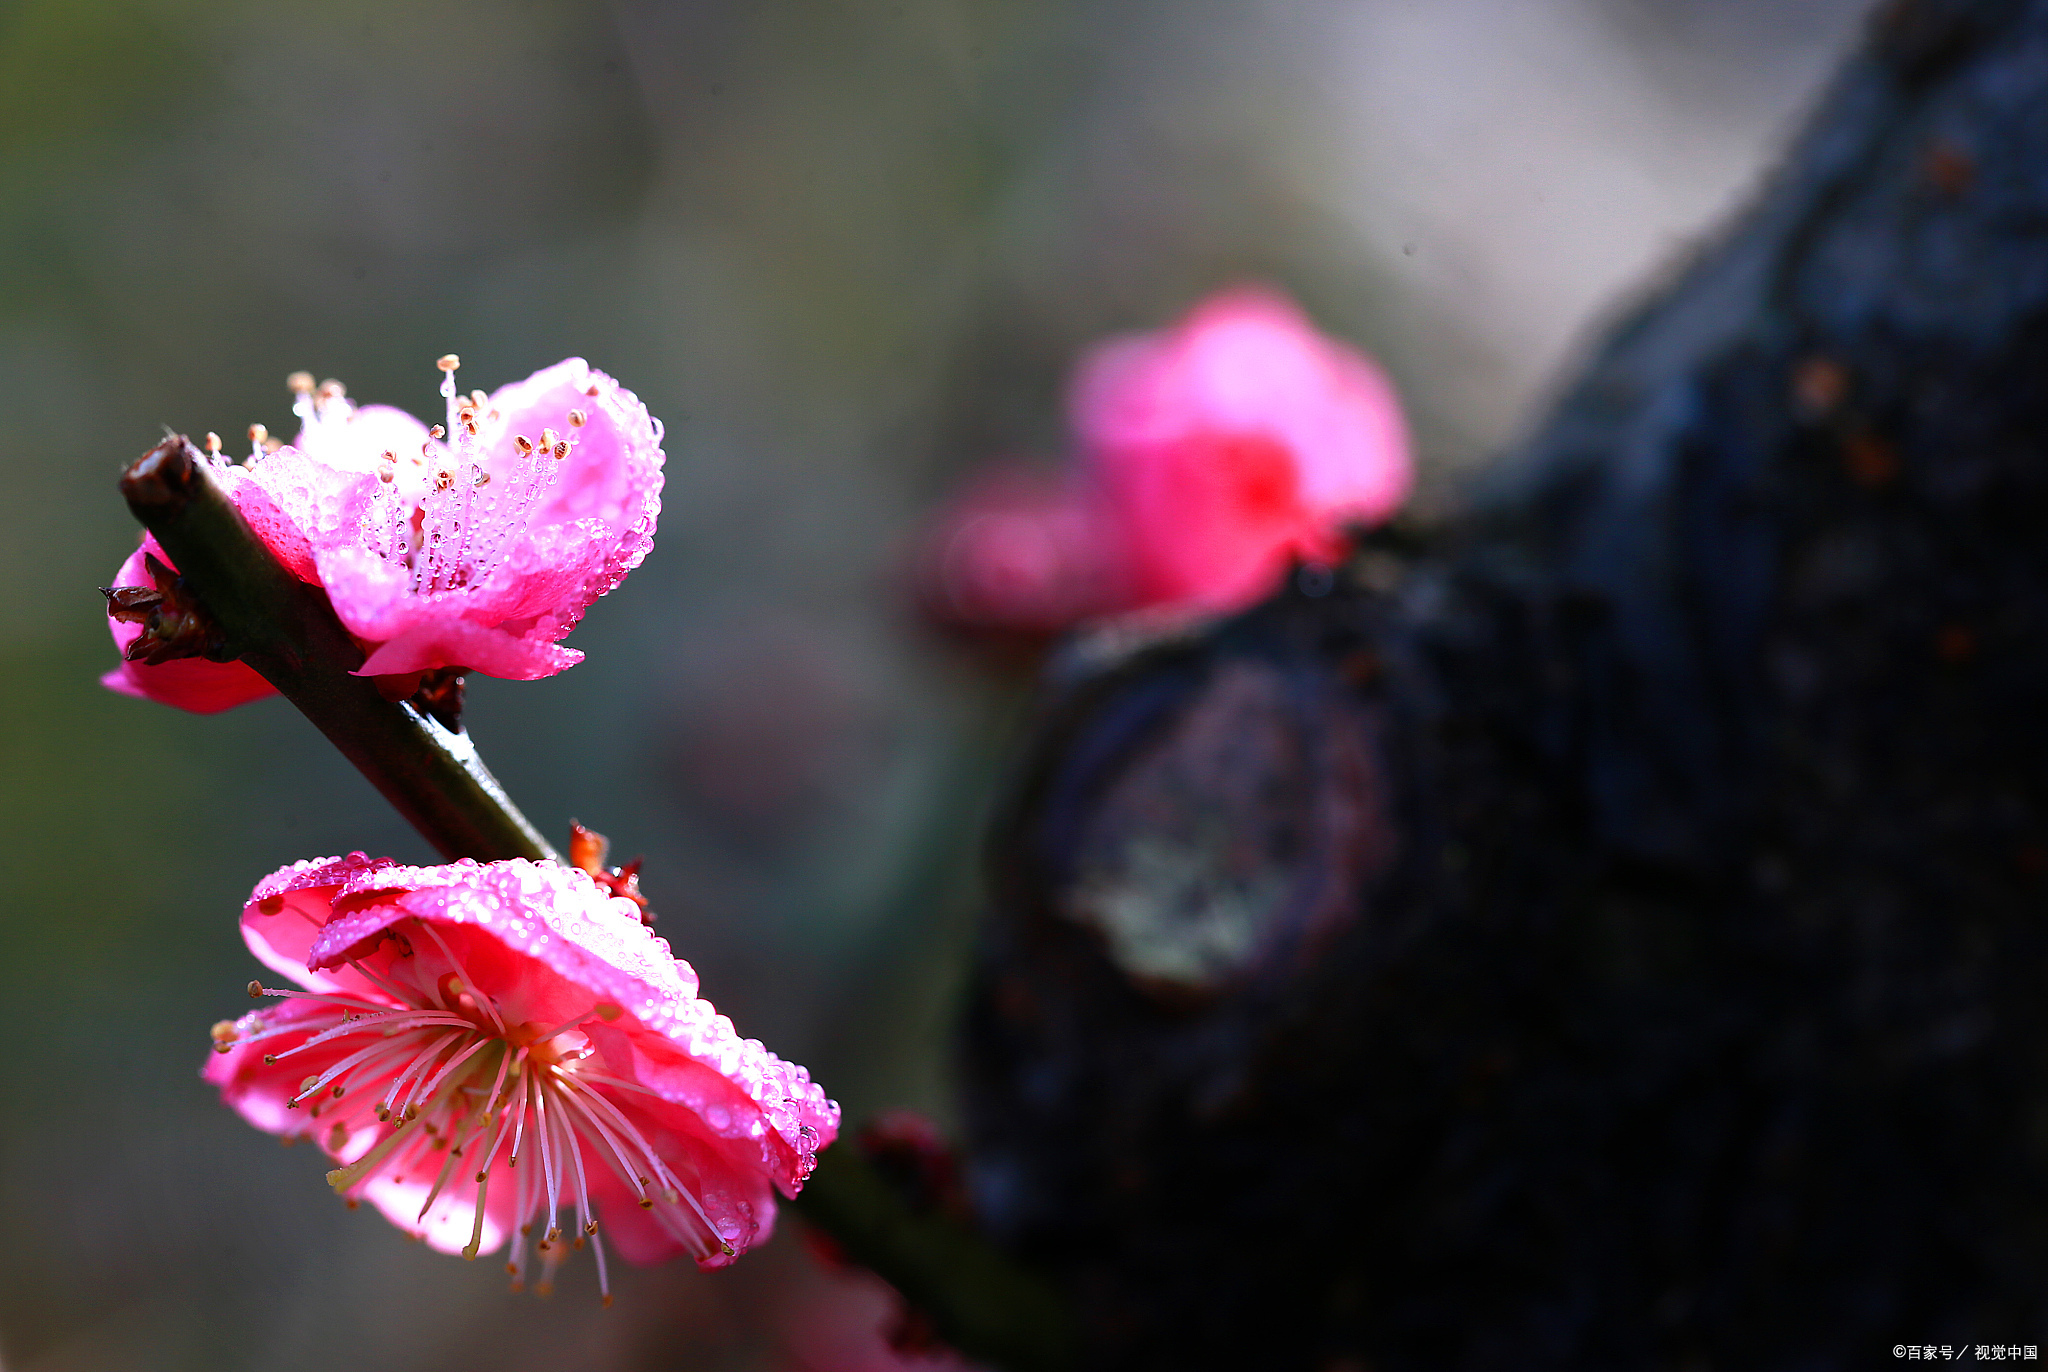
x,y
577,419
255,990
213,442
523,443
437,432
257,433
301,383
448,362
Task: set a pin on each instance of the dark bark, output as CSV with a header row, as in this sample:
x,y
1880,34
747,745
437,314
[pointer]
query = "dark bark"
x,y
1621,939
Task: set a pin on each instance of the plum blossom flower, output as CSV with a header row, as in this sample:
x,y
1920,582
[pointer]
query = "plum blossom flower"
x,y
505,1050
1210,454
476,544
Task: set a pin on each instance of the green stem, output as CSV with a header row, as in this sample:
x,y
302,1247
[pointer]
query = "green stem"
x,y
288,632
980,1302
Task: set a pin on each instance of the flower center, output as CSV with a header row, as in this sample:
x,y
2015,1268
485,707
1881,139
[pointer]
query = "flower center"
x,y
448,517
434,1088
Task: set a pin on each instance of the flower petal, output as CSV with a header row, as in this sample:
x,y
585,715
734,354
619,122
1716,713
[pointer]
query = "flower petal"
x,y
287,912
498,652
555,916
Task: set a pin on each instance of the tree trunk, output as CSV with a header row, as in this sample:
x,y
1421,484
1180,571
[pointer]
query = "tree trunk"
x,y
1611,931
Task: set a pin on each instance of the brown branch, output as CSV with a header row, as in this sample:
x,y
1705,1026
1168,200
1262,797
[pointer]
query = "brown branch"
x,y
979,1301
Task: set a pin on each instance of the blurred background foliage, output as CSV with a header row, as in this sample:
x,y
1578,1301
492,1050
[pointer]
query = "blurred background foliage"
x,y
846,250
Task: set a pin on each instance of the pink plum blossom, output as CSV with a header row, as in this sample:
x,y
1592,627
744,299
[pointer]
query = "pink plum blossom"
x,y
476,544
506,1050
1210,454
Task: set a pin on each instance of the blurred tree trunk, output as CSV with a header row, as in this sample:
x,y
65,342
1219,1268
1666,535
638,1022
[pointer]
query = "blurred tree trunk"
x,y
1612,930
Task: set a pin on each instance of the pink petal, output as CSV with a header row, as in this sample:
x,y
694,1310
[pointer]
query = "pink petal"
x,y
594,523
258,1090
498,652
552,915
447,1226
302,505
355,445
285,914
613,471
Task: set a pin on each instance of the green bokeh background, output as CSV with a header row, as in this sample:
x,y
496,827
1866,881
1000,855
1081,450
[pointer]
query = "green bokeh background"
x,y
846,251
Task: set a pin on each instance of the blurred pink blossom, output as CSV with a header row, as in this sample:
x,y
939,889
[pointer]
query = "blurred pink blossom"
x,y
478,544
836,1317
483,1047
1023,550
1210,454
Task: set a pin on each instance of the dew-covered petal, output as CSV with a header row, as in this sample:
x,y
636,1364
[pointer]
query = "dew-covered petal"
x,y
539,912
302,506
613,471
498,651
285,914
703,1078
